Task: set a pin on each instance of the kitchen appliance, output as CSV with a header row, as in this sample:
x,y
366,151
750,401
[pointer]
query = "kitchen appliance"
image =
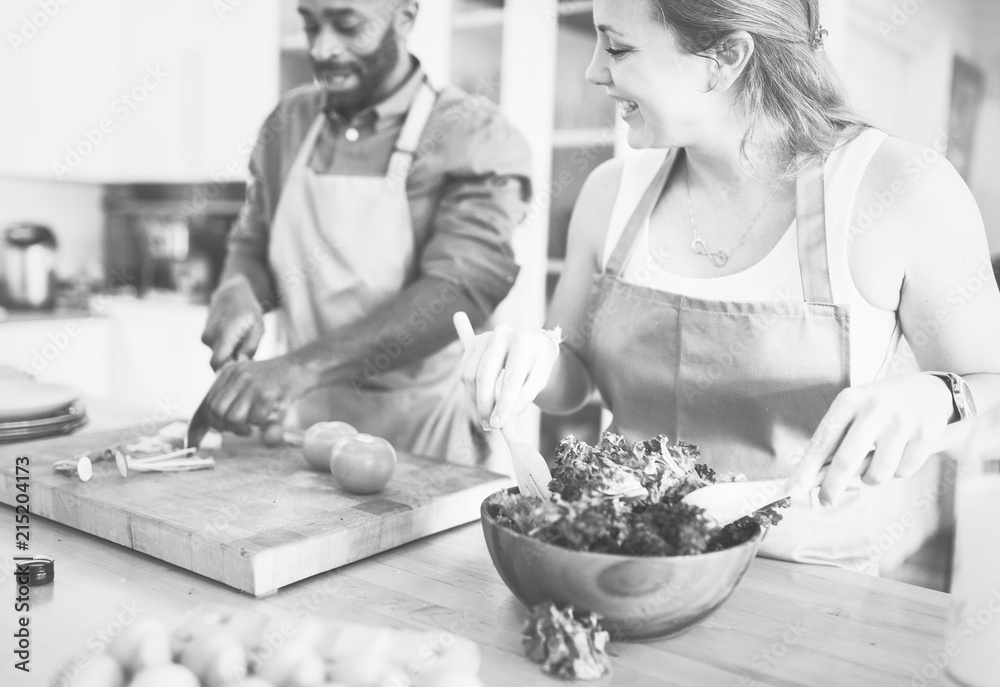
x,y
28,273
261,520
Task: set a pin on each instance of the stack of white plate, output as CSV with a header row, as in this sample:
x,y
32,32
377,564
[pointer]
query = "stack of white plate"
x,y
32,410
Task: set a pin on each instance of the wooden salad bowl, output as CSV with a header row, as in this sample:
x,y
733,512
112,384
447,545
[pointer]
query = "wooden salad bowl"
x,y
638,597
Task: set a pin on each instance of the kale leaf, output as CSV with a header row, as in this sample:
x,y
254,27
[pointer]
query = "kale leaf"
x,y
567,643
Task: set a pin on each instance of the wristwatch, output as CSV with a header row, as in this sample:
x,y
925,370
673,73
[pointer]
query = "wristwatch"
x,y
961,394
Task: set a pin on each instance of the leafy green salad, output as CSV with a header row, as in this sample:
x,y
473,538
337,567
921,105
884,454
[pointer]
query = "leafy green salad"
x,y
626,499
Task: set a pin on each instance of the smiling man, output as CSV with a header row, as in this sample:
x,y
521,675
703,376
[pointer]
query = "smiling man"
x,y
379,206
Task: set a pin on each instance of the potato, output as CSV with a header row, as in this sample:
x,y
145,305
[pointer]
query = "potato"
x,y
142,645
102,671
216,658
367,665
194,624
166,675
293,665
315,634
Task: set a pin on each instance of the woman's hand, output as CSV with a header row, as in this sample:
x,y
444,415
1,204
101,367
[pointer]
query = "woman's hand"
x,y
506,369
902,417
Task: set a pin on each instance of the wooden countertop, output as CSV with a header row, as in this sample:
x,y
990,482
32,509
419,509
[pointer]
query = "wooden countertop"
x,y
786,624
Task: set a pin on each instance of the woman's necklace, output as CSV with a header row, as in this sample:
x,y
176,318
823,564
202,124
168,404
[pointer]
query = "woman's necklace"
x,y
699,246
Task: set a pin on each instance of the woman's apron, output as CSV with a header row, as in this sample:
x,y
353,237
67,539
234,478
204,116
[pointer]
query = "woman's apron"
x,y
748,382
341,247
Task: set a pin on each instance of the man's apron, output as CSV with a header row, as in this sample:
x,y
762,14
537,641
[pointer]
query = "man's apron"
x,y
340,248
748,382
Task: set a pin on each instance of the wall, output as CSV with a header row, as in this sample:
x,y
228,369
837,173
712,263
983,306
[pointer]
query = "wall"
x,y
73,211
932,31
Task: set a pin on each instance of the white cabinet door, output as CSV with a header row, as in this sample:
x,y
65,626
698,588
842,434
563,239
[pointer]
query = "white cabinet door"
x,y
137,90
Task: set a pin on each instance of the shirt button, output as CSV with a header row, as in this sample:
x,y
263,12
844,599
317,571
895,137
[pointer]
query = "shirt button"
x,y
352,134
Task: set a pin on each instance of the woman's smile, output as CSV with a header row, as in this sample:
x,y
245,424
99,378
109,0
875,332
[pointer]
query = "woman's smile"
x,y
626,107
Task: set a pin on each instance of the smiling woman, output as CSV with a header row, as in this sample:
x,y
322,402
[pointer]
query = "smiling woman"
x,y
721,288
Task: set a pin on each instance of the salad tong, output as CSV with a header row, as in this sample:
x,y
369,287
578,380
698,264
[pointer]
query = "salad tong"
x,y
531,472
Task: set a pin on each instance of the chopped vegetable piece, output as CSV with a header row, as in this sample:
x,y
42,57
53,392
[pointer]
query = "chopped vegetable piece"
x,y
566,643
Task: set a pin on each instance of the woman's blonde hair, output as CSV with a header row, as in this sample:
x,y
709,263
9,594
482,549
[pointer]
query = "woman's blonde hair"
x,y
789,91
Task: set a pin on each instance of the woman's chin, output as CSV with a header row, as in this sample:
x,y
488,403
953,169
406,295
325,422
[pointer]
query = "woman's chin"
x,y
638,137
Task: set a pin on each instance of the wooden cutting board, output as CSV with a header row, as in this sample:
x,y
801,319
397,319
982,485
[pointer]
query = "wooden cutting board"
x,y
260,520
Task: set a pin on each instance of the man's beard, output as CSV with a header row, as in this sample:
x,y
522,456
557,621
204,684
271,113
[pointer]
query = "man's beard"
x,y
370,70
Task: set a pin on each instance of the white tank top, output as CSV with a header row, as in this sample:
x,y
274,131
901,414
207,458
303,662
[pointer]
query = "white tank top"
x,y
874,333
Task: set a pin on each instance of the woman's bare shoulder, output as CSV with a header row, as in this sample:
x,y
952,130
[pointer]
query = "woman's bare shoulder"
x,y
594,205
913,187
915,222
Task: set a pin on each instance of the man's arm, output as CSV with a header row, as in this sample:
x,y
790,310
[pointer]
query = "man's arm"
x,y
246,256
410,327
235,324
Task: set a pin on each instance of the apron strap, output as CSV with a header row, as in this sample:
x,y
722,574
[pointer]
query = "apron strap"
x,y
405,150
814,259
619,258
309,142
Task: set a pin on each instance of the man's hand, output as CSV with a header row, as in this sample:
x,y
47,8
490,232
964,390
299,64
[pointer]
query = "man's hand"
x,y
235,322
248,393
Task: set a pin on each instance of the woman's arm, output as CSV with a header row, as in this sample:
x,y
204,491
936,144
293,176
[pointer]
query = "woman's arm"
x,y
927,257
533,368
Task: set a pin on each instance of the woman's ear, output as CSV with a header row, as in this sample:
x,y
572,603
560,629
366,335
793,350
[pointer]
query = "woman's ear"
x,y
732,56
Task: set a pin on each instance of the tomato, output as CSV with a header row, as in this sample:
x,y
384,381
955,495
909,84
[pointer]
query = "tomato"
x,y
320,439
363,464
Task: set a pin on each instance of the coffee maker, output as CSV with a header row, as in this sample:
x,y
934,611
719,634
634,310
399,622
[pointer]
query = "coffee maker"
x,y
27,277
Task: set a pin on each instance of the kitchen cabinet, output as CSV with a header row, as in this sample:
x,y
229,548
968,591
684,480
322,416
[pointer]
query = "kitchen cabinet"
x,y
137,90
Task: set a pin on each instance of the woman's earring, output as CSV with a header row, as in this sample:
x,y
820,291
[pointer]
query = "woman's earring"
x,y
718,75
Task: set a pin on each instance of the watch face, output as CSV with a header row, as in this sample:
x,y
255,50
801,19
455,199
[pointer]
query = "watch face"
x,y
968,402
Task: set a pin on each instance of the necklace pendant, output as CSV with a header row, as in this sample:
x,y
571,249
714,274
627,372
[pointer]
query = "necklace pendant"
x,y
717,257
